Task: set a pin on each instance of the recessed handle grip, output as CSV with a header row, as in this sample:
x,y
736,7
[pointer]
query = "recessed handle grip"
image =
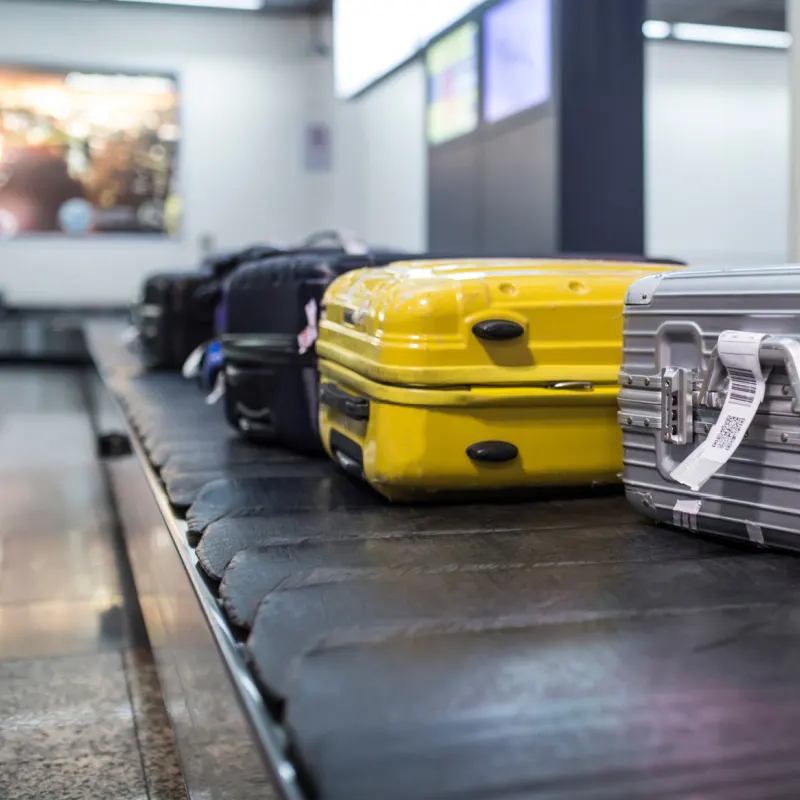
x,y
353,407
492,452
498,330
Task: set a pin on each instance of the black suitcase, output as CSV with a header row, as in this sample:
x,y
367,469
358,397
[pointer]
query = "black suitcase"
x,y
175,313
271,378
168,320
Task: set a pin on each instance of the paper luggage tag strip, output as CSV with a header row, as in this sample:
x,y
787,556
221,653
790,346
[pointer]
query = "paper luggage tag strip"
x,y
307,337
738,352
191,367
218,392
684,514
129,335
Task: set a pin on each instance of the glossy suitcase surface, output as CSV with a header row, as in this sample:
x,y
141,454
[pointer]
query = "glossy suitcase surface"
x,y
672,397
461,375
270,368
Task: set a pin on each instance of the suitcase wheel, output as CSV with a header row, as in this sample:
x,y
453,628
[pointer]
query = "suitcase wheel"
x,y
492,452
498,330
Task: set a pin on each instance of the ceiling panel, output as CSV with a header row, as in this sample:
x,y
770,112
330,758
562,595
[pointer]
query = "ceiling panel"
x,y
275,6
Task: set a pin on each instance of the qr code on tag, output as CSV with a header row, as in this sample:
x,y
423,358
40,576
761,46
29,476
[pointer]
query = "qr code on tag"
x,y
728,433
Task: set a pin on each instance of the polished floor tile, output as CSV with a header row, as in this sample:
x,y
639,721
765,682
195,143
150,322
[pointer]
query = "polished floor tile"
x,y
93,777
63,708
61,627
64,439
40,389
81,715
95,680
155,737
239,773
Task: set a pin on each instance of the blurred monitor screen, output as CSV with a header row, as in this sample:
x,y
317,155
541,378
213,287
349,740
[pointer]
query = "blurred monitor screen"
x,y
517,66
373,37
452,70
85,153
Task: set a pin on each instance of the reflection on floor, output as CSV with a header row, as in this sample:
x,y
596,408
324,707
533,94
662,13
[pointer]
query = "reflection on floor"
x,y
81,714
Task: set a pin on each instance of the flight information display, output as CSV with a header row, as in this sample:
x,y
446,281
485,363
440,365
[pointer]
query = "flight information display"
x,y
517,58
452,71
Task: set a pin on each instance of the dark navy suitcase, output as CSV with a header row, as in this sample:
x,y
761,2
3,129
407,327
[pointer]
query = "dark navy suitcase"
x,y
272,310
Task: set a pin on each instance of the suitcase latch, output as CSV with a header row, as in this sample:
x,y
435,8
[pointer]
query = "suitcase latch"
x,y
676,406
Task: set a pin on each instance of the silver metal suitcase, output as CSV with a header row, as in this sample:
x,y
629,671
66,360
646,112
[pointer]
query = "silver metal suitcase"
x,y
685,393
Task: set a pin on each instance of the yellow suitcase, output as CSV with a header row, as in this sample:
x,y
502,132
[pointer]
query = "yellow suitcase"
x,y
481,374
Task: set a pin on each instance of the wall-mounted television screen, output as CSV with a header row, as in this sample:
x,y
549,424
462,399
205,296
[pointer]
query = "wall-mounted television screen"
x,y
517,58
85,153
452,70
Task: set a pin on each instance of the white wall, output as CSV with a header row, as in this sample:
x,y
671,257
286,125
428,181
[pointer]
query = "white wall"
x,y
247,90
380,185
717,153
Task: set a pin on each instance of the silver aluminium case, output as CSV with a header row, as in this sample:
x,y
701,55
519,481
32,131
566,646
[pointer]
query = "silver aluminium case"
x,y
673,388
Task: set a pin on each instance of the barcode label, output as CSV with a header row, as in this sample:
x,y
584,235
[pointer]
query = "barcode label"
x,y
743,387
739,354
726,436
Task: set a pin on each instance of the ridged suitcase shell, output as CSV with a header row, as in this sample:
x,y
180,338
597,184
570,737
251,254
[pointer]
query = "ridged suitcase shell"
x,y
675,322
461,375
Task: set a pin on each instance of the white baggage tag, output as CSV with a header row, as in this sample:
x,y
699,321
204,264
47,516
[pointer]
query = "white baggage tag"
x,y
218,391
191,367
684,514
738,352
307,337
129,335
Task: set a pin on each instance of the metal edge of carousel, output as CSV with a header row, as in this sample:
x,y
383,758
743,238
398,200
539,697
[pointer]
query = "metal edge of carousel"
x,y
229,745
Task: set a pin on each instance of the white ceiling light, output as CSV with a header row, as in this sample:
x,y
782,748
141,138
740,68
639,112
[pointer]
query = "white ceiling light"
x,y
656,29
722,34
239,5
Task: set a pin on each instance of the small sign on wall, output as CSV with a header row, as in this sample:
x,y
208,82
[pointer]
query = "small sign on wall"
x,y
318,154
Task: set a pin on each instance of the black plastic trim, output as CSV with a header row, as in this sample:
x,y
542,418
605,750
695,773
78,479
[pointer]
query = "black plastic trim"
x,y
498,330
493,452
356,408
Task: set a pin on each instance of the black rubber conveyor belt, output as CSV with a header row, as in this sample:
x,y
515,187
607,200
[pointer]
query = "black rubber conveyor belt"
x,y
556,649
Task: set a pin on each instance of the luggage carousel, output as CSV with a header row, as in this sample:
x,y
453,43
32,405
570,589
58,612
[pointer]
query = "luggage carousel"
x,y
316,641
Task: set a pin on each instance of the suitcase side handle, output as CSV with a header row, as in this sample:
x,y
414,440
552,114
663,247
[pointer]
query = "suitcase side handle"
x,y
341,239
492,452
356,408
775,351
498,330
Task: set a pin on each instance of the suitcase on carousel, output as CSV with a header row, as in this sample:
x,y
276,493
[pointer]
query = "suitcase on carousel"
x,y
272,311
482,374
175,313
709,402
169,322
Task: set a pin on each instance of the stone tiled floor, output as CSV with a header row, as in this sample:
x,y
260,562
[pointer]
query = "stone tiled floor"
x,y
81,714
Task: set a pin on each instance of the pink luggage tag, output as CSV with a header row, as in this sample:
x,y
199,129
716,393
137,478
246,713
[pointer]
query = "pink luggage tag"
x,y
308,335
